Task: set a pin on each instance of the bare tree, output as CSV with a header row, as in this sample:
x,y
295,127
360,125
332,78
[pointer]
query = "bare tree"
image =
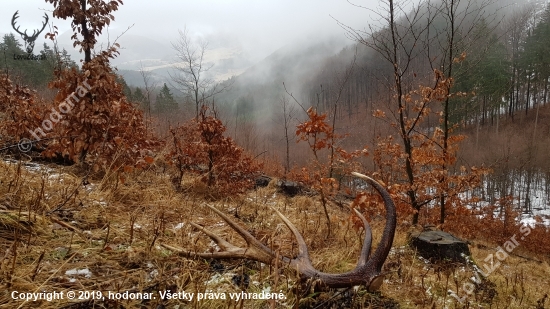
x,y
322,128
397,40
288,114
191,71
452,42
516,29
342,81
150,86
413,37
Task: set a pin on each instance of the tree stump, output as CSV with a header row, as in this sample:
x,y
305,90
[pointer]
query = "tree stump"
x,y
290,188
439,246
262,181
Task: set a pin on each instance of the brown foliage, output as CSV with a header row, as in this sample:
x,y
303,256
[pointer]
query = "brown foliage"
x,y
99,125
22,112
102,123
425,170
320,135
87,21
90,120
200,147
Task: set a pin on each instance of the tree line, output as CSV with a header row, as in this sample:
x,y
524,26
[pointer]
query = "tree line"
x,y
505,67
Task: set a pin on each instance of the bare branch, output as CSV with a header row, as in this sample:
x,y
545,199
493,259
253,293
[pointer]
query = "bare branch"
x,y
191,70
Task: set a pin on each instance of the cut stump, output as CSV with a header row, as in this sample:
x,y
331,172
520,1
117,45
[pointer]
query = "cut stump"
x,y
289,188
439,246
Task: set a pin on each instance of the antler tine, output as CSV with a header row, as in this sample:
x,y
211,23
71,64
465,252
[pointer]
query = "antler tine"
x,y
377,259
191,254
46,22
303,253
14,17
224,245
212,255
228,247
367,242
250,240
255,250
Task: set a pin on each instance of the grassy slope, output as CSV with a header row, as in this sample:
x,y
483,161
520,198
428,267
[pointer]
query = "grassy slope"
x,y
91,228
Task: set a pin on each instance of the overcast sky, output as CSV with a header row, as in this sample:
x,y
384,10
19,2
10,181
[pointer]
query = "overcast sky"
x,y
262,24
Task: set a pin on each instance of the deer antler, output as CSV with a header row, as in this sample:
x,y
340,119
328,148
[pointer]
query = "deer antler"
x,y
367,272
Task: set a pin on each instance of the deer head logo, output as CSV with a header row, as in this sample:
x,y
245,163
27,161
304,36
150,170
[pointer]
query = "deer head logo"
x,y
29,40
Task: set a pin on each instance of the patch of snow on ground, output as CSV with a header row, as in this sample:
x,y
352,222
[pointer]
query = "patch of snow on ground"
x,y
79,272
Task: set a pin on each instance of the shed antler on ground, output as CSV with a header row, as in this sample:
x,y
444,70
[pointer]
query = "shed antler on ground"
x,y
367,271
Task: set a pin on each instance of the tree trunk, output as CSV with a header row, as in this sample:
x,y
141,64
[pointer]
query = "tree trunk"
x,y
85,33
402,123
527,95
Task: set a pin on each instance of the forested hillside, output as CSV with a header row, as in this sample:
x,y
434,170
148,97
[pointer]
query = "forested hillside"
x,y
498,63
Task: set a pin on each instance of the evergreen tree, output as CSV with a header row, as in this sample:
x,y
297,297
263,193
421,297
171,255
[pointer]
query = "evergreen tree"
x,y
535,59
11,45
125,88
66,60
8,47
486,73
165,101
139,98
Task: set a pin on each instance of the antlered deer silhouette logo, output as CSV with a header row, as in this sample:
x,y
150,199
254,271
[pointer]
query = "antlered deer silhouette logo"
x,y
29,40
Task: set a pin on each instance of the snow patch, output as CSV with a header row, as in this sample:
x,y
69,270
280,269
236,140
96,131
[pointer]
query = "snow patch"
x,y
79,272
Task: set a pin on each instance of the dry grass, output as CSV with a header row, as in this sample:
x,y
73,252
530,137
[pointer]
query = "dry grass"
x,y
60,236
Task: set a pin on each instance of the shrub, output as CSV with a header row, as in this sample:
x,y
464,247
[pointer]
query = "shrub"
x,y
200,147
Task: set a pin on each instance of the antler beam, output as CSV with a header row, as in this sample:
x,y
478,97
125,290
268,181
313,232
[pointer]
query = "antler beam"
x,y
367,272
